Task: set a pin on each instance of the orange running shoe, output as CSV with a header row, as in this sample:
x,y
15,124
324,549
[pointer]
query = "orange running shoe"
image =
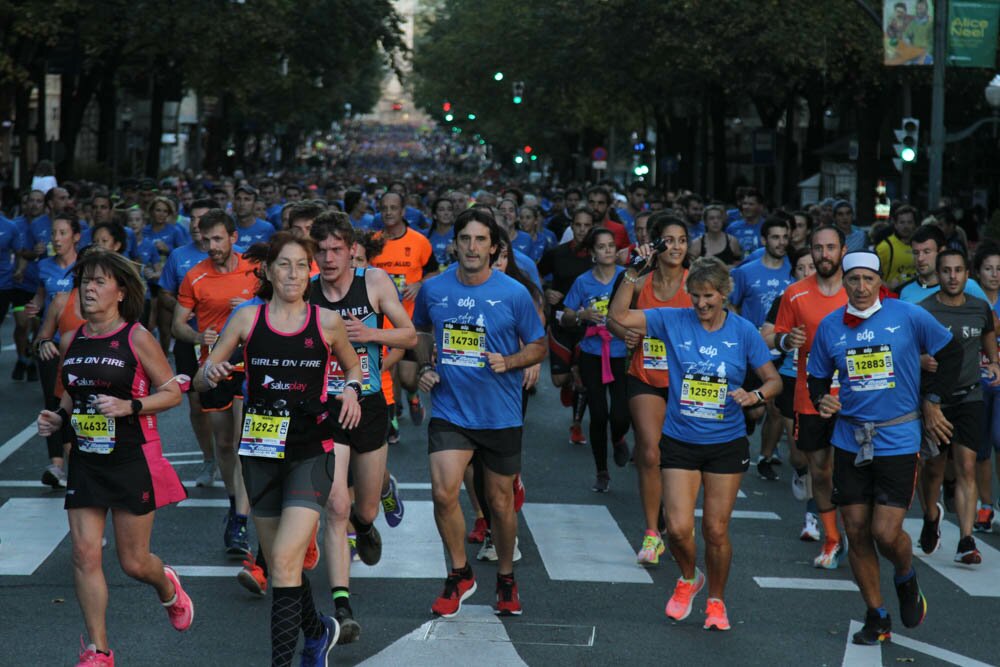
x,y
715,615
679,605
312,551
252,577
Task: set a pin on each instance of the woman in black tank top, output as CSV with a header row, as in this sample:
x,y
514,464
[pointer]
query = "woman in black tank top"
x,y
716,242
110,366
289,428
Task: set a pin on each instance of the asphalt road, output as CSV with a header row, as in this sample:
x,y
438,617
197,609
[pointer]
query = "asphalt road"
x,y
585,601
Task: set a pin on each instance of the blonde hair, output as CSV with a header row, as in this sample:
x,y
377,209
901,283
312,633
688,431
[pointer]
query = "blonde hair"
x,y
710,271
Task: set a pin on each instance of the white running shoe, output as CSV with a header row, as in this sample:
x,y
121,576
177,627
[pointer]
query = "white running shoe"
x,y
206,475
800,486
810,528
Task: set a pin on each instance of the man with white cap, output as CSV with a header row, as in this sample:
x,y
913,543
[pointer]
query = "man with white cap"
x,y
874,346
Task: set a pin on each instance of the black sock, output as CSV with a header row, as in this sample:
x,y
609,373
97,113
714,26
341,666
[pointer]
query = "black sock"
x,y
505,578
312,627
286,620
260,560
464,572
232,504
579,405
341,598
360,527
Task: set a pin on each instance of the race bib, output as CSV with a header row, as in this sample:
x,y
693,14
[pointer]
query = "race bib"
x,y
264,435
336,380
870,368
703,396
600,306
399,279
463,345
95,434
654,354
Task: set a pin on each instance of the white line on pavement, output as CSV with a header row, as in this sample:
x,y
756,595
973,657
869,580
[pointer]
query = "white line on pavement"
x,y
171,455
859,655
797,583
414,550
30,529
936,652
749,514
15,443
206,570
978,581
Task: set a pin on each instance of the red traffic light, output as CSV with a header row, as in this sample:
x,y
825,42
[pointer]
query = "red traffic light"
x,y
446,106
527,149
396,106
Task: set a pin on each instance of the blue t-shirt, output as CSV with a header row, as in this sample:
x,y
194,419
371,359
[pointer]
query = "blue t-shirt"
x,y
914,292
41,230
696,231
856,240
274,215
756,286
146,253
8,248
589,292
748,235
628,220
172,234
878,365
705,368
29,281
365,222
178,263
54,278
440,243
535,248
259,232
496,316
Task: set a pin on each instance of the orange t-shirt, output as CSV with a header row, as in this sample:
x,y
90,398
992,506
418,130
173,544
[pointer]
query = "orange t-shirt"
x,y
649,360
803,304
207,292
404,260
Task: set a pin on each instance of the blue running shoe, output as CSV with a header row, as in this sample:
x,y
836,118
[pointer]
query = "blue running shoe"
x,y
316,652
392,504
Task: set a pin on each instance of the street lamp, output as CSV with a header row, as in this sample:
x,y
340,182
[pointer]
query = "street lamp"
x,y
992,92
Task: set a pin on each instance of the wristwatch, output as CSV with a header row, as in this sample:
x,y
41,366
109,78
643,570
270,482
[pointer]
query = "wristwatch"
x,y
760,397
932,398
136,406
356,386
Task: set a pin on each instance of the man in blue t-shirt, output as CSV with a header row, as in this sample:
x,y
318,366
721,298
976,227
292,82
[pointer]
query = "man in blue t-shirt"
x,y
249,228
747,229
486,330
926,243
874,348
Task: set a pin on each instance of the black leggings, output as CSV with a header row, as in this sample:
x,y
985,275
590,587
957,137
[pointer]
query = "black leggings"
x,y
597,402
47,372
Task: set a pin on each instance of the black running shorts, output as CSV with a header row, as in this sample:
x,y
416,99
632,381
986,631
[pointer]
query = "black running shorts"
x,y
500,449
785,401
813,433
726,458
967,420
887,480
371,431
636,387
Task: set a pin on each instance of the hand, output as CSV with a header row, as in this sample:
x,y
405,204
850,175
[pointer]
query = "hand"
x,y
350,409
428,380
162,247
357,332
796,338
994,371
590,315
216,373
936,427
498,362
829,405
48,423
621,257
745,399
531,375
32,308
632,338
207,337
109,406
928,363
148,272
18,275
48,351
235,301
40,249
410,292
552,297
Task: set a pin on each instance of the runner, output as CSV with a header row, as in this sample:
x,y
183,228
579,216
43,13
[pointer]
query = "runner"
x,y
716,242
927,242
289,431
211,289
486,330
803,306
25,285
602,358
971,322
987,265
874,346
704,443
648,378
110,415
363,298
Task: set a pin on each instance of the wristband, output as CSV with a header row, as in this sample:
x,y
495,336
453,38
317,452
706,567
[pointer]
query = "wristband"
x,y
782,339
61,412
627,278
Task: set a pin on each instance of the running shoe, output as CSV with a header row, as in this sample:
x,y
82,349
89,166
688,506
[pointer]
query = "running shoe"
x,y
236,540
457,589
352,542
518,493
90,657
31,372
206,475
810,528
392,504
766,470
369,546
912,603
930,534
54,476
316,652
776,457
967,552
181,610
417,411
478,532
652,549
621,453
877,629
488,551
984,519
603,483
252,577
350,630
679,605
311,559
829,558
566,395
576,436
508,601
948,495
18,376
800,486
393,437
715,615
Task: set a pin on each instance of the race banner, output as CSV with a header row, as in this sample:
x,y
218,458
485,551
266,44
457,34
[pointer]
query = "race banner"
x,y
972,33
908,27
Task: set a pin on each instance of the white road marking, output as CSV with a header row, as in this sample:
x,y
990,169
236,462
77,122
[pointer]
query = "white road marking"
x,y
858,655
411,550
582,543
747,514
15,443
30,530
936,652
206,570
798,583
979,580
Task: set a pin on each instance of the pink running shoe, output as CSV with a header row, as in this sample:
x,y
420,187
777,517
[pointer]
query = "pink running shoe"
x,y
90,657
181,610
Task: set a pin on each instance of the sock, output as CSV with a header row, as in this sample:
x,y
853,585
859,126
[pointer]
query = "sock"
x,y
232,504
803,471
882,613
693,579
286,620
811,506
903,578
341,597
464,572
312,626
107,653
829,519
241,519
414,398
579,405
505,578
260,560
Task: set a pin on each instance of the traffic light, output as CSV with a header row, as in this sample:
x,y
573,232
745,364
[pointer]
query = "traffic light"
x,y
517,88
449,117
446,106
908,137
640,170
498,76
471,116
528,149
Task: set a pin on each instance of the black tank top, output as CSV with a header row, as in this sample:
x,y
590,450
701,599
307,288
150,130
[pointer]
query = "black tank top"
x,y
286,376
727,256
107,364
355,303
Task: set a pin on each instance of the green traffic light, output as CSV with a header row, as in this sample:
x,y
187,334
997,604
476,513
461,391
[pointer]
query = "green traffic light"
x,y
498,76
449,117
471,116
534,157
908,154
517,99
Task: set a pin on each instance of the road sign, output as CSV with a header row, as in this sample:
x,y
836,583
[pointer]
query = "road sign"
x,y
599,165
599,154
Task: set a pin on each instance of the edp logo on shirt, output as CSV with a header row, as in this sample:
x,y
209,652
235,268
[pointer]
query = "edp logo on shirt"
x,y
708,350
467,302
866,335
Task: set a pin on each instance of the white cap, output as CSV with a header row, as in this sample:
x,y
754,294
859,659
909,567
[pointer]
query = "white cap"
x,y
862,259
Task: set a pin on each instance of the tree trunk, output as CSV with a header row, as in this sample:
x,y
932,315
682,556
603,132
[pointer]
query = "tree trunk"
x,y
40,138
790,160
153,142
76,92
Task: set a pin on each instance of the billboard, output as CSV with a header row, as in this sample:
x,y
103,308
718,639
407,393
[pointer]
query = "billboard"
x,y
908,27
972,33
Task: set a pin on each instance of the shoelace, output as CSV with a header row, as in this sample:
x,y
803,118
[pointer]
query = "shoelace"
x,y
649,542
388,504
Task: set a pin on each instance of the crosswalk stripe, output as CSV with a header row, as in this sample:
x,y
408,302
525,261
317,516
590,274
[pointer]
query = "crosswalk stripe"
x,y
582,543
30,530
15,443
411,550
979,581
802,584
206,570
748,514
858,655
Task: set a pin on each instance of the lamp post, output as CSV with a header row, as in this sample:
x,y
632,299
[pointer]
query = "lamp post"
x,y
992,93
